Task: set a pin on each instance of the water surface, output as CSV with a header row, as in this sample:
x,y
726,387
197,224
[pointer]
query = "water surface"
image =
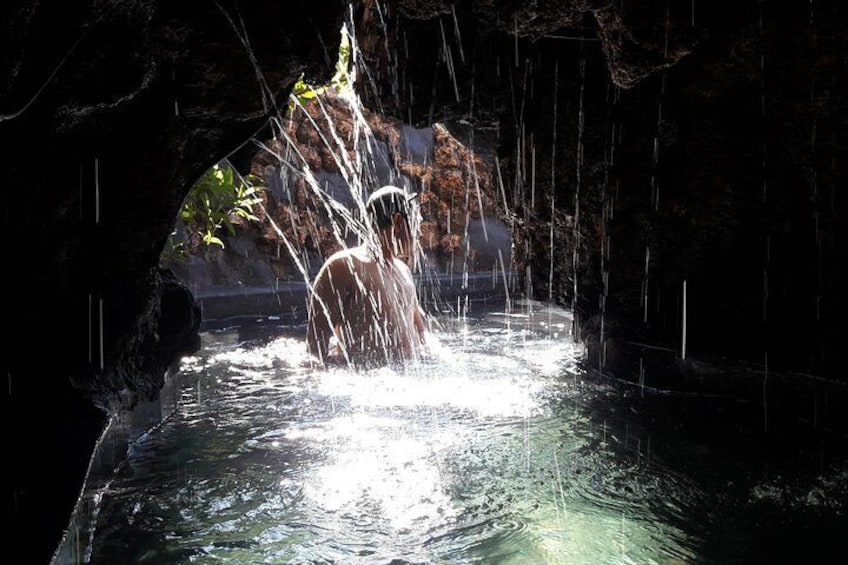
x,y
497,449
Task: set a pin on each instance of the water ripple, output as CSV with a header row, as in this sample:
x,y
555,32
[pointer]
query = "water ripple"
x,y
495,451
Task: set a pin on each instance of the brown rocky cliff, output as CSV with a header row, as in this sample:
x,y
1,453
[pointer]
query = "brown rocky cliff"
x,y
308,168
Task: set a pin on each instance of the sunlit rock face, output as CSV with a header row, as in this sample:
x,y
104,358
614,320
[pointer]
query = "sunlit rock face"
x,y
331,151
664,142
455,185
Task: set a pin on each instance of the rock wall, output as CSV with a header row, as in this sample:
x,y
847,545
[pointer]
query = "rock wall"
x,y
664,142
109,111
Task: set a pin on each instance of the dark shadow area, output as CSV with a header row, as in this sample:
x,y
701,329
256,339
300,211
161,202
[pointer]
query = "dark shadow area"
x,y
767,454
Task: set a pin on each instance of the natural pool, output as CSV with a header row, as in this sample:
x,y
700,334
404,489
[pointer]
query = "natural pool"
x,y
498,449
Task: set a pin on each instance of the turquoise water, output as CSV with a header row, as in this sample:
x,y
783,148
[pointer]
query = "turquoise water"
x,y
496,449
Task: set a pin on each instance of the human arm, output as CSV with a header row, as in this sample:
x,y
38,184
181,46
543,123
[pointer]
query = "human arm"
x,y
328,293
420,324
419,320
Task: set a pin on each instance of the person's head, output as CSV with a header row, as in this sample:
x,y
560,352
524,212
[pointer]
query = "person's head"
x,y
390,212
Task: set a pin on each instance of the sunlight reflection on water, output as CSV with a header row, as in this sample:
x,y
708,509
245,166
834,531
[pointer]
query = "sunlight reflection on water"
x,y
481,452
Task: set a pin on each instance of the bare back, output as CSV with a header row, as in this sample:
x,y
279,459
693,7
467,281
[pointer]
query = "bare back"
x,y
369,306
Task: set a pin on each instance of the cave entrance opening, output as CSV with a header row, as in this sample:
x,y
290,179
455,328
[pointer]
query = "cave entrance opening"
x,y
250,238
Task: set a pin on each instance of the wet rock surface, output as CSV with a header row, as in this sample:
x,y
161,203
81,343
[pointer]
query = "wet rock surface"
x,y
663,144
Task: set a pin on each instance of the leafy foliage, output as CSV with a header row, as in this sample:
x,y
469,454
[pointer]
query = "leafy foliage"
x,y
342,79
217,201
221,198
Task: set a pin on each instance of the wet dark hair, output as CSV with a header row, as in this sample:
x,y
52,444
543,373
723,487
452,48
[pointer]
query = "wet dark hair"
x,y
385,202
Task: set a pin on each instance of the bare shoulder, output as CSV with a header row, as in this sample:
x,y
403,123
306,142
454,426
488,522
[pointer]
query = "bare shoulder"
x,y
402,267
350,254
342,263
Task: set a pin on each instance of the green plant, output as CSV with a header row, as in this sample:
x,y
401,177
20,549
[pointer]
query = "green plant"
x,y
342,78
218,200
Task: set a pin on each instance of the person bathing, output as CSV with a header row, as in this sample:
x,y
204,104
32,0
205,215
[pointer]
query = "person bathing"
x,y
364,308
